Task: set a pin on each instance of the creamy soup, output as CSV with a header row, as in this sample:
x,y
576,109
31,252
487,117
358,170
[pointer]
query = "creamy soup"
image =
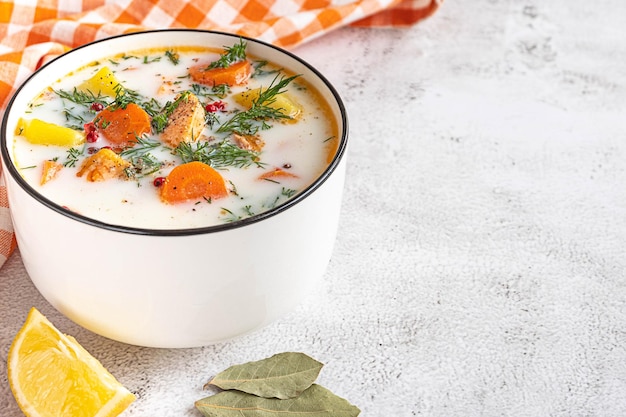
x,y
175,138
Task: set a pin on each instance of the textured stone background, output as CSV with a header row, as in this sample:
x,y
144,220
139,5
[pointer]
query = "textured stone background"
x,y
479,268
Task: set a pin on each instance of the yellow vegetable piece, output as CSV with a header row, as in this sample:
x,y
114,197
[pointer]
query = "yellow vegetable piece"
x,y
103,82
283,102
51,375
43,133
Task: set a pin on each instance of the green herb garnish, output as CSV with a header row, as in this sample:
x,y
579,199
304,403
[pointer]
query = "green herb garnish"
x,y
73,155
285,194
250,121
221,90
147,60
72,116
142,161
230,216
220,155
84,98
172,56
142,147
125,96
160,116
231,55
217,91
260,71
143,165
288,192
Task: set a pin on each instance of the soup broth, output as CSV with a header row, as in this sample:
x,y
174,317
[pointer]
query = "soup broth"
x,y
266,137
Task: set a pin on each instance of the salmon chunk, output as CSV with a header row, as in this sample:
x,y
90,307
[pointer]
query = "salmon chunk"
x,y
49,171
186,122
103,165
248,142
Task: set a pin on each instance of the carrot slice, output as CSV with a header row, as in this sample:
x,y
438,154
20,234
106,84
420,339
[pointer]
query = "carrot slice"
x,y
234,74
122,126
192,181
276,174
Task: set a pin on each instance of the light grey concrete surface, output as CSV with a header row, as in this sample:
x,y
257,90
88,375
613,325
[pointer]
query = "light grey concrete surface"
x,y
480,265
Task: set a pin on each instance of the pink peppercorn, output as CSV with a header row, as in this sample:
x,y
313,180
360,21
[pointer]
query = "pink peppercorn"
x,y
91,134
159,181
215,106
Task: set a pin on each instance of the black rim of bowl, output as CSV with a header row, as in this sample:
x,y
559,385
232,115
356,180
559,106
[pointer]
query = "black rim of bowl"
x,y
341,149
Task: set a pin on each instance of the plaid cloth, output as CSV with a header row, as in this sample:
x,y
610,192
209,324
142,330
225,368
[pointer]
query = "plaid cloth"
x,y
35,31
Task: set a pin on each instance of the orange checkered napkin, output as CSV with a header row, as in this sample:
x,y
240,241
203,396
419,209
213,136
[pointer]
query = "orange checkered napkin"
x,y
34,31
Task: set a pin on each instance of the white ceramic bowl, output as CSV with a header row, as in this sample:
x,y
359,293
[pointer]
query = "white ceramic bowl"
x,y
175,288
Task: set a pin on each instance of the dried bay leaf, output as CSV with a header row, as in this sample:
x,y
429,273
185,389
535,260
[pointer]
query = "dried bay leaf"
x,y
315,401
284,375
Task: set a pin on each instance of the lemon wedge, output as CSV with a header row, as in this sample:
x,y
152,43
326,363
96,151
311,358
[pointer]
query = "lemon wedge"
x,y
52,375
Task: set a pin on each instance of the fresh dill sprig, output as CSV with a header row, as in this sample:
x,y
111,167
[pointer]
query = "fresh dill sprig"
x,y
260,71
219,155
71,116
233,188
142,161
201,90
221,90
152,107
160,115
78,115
142,165
250,121
84,98
142,147
73,155
271,180
288,192
214,92
147,60
125,96
285,193
250,210
229,216
172,56
231,55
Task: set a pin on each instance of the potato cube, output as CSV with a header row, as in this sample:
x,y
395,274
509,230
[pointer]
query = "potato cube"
x,y
283,102
103,82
